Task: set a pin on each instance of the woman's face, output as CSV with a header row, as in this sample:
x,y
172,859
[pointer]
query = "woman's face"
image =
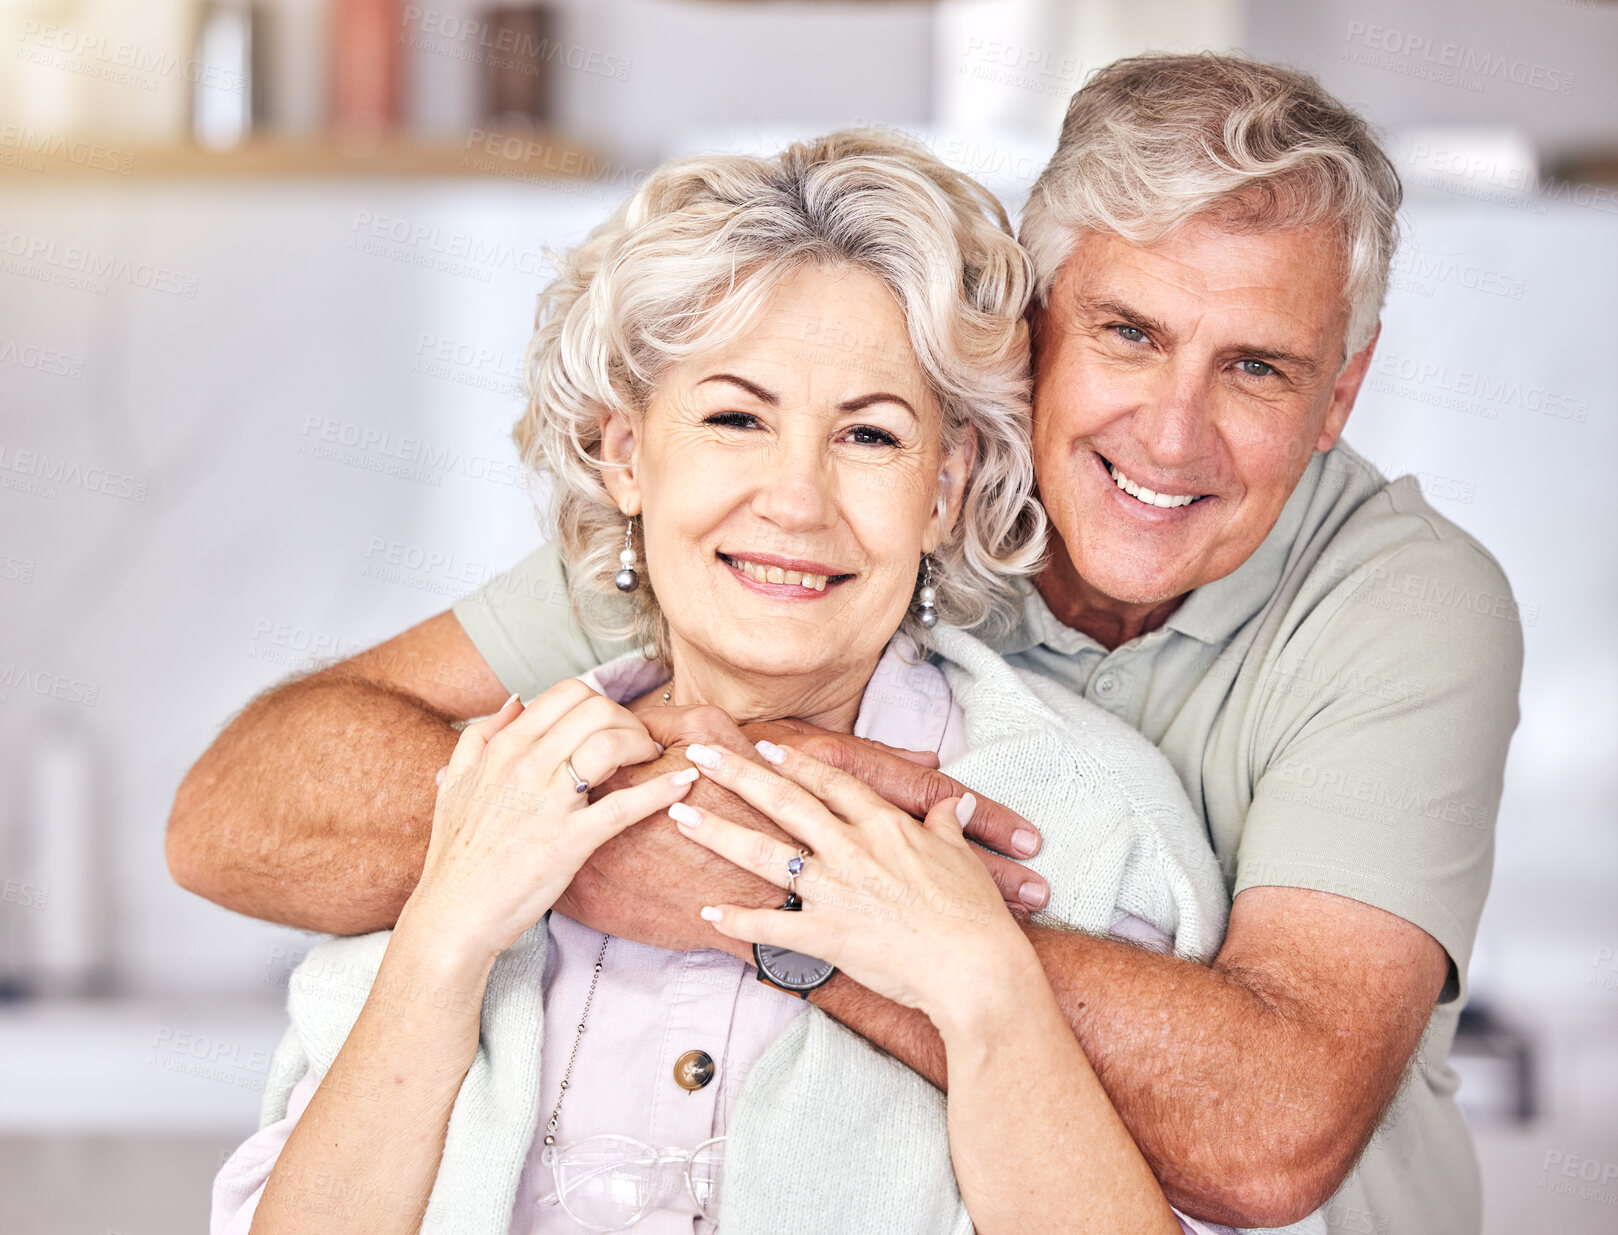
x,y
790,482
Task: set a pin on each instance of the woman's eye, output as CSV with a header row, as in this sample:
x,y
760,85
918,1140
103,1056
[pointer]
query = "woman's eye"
x,y
732,420
1255,368
870,435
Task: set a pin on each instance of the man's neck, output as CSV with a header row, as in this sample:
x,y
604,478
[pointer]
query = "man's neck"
x,y
1076,604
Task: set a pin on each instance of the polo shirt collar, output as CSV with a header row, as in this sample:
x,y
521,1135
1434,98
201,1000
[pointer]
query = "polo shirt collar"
x,y
1213,612
1041,627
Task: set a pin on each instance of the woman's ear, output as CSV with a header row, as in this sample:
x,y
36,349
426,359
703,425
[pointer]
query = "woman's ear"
x,y
620,451
952,476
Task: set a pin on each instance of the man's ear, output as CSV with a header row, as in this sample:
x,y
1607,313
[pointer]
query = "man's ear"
x,y
952,475
1344,391
620,452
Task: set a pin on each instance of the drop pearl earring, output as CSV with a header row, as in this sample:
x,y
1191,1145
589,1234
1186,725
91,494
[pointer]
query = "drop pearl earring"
x,y
928,596
626,580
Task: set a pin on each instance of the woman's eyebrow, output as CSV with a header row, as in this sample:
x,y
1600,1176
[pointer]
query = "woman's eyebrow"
x,y
752,388
865,401
774,400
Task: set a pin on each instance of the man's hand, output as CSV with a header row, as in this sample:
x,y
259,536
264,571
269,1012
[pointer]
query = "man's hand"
x,y
650,883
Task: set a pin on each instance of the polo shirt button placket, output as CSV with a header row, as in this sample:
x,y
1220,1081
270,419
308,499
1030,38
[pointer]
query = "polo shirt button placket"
x,y
1106,686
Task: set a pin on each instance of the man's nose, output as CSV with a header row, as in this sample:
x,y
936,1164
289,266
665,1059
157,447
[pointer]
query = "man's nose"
x,y
1174,420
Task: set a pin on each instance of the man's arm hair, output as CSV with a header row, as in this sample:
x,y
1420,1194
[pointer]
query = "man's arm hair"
x,y
314,806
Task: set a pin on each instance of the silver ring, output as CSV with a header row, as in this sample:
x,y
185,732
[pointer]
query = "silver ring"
x,y
794,869
580,785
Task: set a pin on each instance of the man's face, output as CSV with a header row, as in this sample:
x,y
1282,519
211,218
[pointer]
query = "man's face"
x,y
1199,375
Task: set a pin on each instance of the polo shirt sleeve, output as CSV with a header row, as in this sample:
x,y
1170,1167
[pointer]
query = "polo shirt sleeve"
x,y
523,625
1381,742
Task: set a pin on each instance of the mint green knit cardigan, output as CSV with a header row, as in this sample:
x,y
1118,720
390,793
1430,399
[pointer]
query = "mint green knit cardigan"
x,y
828,1129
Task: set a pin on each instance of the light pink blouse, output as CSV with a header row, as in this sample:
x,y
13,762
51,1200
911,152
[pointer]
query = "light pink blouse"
x,y
651,1005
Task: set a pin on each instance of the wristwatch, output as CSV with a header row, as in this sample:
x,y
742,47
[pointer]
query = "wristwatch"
x,y
790,971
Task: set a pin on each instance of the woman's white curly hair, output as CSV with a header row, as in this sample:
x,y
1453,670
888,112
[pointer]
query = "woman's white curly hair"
x,y
690,260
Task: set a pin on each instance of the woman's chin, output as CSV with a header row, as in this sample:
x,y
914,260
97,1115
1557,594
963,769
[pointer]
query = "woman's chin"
x,y
764,646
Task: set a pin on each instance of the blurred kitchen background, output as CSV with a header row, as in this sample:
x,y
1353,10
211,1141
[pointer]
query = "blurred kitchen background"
x,y
266,275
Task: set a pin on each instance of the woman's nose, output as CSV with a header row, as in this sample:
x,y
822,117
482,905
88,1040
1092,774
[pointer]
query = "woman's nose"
x,y
797,488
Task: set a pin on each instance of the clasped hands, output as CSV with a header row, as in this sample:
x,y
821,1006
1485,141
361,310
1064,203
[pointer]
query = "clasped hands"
x,y
890,885
651,883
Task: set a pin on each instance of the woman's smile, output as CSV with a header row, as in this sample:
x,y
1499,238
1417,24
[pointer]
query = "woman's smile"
x,y
784,578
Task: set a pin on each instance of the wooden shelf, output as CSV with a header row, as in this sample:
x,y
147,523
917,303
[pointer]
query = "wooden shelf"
x,y
528,156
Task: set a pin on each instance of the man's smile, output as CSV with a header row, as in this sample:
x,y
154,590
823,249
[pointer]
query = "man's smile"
x,y
1138,499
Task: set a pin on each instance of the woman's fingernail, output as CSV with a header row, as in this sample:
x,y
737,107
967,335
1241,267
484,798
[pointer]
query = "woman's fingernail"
x,y
439,779
965,808
711,913
683,777
702,756
684,815
1032,894
509,701
771,752
1024,841
659,746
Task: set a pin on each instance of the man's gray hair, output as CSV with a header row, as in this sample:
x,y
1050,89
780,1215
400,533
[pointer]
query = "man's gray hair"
x,y
1152,141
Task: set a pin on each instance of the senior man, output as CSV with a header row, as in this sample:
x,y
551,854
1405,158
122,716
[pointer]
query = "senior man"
x,y
1330,665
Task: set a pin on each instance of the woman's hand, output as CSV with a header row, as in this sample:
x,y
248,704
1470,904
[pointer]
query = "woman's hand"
x,y
905,908
510,830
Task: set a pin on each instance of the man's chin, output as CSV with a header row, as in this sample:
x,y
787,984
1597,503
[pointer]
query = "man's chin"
x,y
1117,573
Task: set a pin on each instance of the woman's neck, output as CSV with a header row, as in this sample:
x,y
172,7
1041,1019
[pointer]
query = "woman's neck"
x,y
827,698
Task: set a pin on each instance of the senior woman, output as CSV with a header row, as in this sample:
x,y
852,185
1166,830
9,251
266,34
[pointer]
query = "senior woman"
x,y
783,408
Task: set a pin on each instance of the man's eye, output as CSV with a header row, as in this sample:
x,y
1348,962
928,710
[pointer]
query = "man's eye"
x,y
1255,368
870,435
732,420
1131,334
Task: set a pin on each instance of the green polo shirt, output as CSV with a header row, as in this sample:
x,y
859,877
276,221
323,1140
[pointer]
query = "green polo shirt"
x,y
1338,708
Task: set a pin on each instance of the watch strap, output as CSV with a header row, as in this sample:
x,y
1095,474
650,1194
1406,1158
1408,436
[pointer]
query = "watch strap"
x,y
804,995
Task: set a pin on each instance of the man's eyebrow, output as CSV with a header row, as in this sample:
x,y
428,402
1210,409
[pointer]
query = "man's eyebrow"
x,y
1287,360
865,401
1114,308
752,388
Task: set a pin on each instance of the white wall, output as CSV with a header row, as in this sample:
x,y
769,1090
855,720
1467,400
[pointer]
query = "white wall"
x,y
1405,62
247,546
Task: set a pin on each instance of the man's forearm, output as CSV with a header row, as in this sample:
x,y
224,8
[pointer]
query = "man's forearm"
x,y
314,806
1197,1064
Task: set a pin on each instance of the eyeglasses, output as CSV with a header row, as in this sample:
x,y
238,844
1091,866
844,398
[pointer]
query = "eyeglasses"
x,y
606,1183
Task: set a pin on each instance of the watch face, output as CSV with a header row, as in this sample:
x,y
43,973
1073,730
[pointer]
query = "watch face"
x,y
793,970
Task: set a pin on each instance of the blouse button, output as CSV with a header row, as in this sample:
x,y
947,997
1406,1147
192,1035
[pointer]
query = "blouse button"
x,y
693,1070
